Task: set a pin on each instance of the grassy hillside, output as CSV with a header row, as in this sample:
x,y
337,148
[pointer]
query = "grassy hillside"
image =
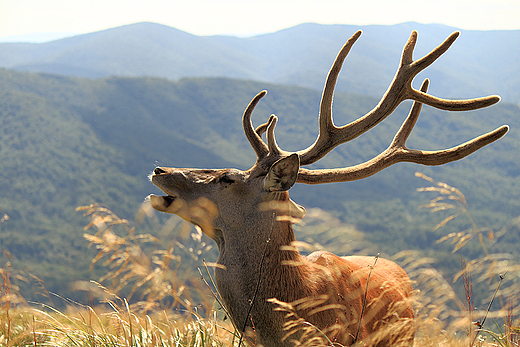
x,y
67,141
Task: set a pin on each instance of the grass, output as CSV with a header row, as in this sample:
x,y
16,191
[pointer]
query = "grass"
x,y
148,296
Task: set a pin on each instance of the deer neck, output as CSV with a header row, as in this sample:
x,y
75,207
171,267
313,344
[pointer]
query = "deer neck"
x,y
263,266
267,249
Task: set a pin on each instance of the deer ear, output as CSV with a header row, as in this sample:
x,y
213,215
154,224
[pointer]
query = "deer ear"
x,y
282,174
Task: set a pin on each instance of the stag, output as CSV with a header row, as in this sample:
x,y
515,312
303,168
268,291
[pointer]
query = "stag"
x,y
249,215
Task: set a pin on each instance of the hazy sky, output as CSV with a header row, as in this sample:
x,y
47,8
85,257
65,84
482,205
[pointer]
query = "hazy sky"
x,y
247,17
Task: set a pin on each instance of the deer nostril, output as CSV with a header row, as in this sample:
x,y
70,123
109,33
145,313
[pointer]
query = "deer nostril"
x,y
158,171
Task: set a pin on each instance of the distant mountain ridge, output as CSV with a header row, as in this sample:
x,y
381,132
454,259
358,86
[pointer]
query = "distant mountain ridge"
x,y
479,63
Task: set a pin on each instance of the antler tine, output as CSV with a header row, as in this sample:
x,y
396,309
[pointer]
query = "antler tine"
x,y
400,89
427,60
455,105
406,129
325,118
326,123
255,135
255,139
274,150
455,153
398,152
262,128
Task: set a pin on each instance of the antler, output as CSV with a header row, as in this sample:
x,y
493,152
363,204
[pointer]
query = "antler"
x,y
398,152
255,137
330,136
400,89
261,149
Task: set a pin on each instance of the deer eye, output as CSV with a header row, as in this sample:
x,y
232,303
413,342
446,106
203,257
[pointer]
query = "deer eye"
x,y
225,179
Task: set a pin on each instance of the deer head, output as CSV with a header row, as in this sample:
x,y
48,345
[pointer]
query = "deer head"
x,y
249,213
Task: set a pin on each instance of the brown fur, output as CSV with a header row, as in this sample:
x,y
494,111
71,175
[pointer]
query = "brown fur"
x,y
266,285
255,256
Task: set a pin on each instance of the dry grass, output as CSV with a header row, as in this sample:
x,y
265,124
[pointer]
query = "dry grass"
x,y
147,299
450,320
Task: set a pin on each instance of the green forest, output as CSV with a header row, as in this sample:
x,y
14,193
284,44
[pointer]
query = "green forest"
x,y
67,142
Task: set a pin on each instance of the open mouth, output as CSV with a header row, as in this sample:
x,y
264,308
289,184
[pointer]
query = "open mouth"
x,y
168,200
161,203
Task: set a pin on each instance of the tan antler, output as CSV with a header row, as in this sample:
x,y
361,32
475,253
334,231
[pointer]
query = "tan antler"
x,y
400,89
255,137
330,136
398,152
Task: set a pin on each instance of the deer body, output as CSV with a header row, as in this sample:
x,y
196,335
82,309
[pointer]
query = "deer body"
x,y
264,282
256,259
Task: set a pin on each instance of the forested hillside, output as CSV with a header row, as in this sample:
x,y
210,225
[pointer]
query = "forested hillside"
x,y
478,62
67,141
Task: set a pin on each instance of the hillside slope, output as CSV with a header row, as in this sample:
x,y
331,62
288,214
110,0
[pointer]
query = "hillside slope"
x,y
68,141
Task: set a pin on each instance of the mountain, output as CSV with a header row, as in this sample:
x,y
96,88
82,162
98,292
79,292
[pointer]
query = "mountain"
x,y
479,63
69,141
